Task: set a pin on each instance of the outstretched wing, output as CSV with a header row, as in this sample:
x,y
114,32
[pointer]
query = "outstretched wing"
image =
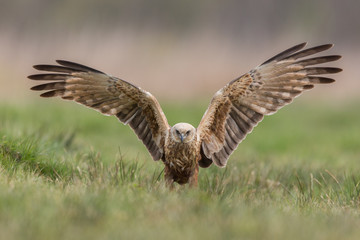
x,y
110,96
239,106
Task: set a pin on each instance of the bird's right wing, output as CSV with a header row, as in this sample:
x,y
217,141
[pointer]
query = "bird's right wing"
x,y
110,96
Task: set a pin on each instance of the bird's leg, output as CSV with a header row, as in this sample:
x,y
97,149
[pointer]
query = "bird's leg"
x,y
193,181
169,183
169,179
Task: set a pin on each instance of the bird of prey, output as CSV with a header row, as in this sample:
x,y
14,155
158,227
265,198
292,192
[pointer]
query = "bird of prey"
x,y
232,113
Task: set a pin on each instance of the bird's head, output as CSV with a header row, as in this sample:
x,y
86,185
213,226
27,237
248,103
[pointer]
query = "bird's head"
x,y
183,132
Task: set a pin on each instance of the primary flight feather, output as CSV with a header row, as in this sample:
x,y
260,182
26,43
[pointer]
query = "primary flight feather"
x,y
232,114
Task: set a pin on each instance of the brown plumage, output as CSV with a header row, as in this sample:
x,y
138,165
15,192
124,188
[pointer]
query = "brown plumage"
x,y
232,114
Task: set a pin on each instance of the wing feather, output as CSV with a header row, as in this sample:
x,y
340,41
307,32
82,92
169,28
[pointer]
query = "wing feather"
x,y
108,95
239,106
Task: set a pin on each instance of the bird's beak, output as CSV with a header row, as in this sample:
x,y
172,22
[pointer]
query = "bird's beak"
x,y
182,138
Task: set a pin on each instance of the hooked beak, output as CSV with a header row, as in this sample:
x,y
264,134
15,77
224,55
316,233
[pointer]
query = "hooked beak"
x,y
182,138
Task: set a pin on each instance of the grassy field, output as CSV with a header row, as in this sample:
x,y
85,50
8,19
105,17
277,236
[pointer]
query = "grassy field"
x,y
67,172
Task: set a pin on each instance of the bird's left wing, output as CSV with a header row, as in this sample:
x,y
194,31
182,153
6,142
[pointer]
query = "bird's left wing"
x,y
110,96
239,106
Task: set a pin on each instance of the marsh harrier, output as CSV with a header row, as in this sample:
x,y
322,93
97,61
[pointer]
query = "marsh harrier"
x,y
232,114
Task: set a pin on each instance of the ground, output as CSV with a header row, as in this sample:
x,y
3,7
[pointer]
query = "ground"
x,y
66,172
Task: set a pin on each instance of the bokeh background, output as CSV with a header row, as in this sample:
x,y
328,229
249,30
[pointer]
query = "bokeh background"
x,y
66,172
174,49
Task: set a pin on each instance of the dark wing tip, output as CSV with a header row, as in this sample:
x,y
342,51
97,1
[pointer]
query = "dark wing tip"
x,y
321,80
327,80
37,88
54,68
337,70
307,87
77,66
297,47
300,46
322,70
40,67
48,94
322,47
65,62
33,77
48,77
326,46
49,86
332,70
36,66
332,58
286,53
52,93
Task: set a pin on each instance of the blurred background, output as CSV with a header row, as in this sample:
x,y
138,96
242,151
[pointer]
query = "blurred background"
x,y
174,49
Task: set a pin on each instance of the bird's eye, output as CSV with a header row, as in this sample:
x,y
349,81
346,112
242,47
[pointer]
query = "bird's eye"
x,y
187,132
177,132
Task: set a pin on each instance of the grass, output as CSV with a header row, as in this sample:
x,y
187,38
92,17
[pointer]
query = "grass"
x,y
67,172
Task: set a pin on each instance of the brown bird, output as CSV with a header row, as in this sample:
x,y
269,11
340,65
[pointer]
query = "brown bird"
x,y
232,114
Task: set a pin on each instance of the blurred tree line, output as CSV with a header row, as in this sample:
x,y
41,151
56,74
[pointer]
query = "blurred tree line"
x,y
331,17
